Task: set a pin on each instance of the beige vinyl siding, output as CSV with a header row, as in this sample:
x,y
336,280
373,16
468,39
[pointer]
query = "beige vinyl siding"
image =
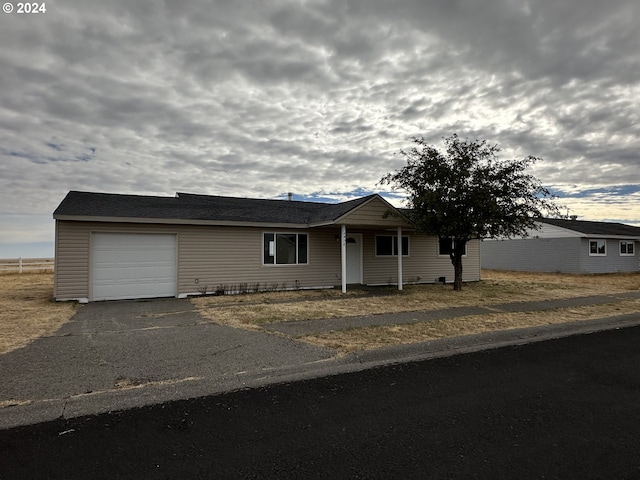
x,y
229,256
71,274
422,265
373,213
214,256
210,256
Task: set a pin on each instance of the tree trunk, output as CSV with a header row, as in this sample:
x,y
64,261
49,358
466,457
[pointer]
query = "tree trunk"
x,y
457,269
459,248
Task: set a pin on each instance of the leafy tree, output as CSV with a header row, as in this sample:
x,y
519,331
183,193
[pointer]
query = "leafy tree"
x,y
467,192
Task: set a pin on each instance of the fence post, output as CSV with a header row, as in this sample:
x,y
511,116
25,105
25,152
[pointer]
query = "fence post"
x,y
20,265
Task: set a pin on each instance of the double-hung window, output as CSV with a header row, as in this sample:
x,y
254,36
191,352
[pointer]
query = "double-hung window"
x,y
626,247
285,248
446,246
387,245
597,248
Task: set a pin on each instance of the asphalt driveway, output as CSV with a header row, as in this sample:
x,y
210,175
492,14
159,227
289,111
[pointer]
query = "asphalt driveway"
x,y
114,355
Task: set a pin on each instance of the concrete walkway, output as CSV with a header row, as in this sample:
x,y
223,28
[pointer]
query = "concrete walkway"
x,y
120,355
311,327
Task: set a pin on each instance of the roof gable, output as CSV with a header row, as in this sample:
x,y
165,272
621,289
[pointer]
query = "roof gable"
x,y
376,210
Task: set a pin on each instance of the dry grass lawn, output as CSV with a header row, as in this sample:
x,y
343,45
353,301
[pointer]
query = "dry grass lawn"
x,y
495,288
27,309
374,337
252,311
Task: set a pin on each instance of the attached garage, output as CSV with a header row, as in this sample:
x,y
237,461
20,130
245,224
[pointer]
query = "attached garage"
x,y
130,265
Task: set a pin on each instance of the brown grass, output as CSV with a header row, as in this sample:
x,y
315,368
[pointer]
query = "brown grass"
x,y
495,288
606,282
27,309
374,337
252,311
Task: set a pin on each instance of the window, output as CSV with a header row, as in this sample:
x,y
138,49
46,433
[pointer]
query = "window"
x,y
286,248
446,245
597,247
626,247
387,245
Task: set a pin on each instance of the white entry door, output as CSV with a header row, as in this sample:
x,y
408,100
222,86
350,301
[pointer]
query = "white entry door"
x,y
354,258
132,265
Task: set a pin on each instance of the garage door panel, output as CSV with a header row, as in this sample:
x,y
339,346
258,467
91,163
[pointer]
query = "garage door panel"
x,y
127,266
124,291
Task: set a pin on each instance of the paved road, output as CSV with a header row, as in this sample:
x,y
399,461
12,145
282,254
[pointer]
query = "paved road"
x,y
560,409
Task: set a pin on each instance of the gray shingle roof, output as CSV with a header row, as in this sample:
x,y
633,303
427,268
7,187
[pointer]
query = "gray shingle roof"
x,y
595,228
186,206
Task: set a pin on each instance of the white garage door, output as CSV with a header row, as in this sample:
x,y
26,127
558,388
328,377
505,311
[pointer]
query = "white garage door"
x,y
126,266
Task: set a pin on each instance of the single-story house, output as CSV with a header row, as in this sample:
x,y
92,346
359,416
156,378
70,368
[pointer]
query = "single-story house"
x,y
567,246
111,246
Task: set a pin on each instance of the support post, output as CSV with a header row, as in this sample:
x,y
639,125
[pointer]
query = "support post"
x,y
399,258
343,256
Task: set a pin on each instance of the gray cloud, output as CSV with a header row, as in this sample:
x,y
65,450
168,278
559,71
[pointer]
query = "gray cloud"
x,y
257,98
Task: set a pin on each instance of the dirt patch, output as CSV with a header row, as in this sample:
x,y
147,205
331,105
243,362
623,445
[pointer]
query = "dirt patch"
x,y
27,309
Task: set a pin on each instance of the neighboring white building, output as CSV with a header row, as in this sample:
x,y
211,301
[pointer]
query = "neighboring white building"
x,y
567,246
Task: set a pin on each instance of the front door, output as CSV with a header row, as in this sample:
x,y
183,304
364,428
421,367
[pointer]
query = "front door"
x,y
354,258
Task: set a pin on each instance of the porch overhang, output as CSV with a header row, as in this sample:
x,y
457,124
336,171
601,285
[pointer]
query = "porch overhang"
x,y
375,214
344,240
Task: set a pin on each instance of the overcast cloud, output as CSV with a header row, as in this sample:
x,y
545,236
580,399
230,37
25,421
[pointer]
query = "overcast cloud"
x,y
252,98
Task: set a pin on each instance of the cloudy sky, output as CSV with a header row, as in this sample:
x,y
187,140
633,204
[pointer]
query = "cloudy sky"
x,y
316,97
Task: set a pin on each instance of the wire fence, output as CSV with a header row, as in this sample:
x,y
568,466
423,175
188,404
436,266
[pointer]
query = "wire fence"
x,y
26,265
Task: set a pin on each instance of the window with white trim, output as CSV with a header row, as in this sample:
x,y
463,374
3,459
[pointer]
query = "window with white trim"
x,y
597,248
446,246
387,245
285,249
627,247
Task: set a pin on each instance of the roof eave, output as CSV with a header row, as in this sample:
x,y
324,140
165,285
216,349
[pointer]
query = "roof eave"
x,y
613,237
177,221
